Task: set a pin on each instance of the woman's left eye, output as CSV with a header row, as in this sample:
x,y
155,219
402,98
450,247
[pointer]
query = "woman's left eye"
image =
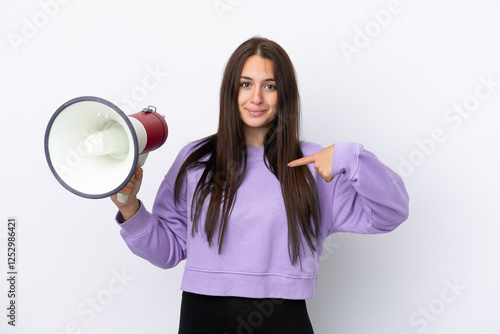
x,y
271,87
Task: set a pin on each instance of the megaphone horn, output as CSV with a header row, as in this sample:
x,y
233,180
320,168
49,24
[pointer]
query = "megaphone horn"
x,y
93,148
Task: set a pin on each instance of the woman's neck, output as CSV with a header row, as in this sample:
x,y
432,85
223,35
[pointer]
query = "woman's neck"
x,y
255,136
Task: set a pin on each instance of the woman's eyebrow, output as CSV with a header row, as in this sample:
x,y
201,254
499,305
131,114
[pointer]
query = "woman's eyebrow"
x,y
248,78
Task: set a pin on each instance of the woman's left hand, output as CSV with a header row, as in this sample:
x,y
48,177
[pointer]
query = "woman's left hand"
x,y
322,162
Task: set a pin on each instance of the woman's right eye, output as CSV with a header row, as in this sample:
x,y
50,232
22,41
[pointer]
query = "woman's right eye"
x,y
245,84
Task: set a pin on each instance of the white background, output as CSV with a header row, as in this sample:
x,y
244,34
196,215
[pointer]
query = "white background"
x,y
392,95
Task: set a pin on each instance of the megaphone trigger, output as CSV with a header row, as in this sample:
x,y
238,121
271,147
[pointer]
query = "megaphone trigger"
x,y
122,198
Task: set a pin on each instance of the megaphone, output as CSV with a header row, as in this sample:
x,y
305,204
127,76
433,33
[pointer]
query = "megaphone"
x,y
93,148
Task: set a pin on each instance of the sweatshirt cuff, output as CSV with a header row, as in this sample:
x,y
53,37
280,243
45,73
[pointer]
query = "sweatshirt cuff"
x,y
137,225
346,159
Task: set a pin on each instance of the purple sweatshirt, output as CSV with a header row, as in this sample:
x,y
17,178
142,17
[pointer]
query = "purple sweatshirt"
x,y
364,197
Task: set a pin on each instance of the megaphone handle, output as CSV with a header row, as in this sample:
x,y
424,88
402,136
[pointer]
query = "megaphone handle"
x,y
123,198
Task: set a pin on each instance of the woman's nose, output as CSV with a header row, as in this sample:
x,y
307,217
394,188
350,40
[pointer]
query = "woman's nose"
x,y
257,97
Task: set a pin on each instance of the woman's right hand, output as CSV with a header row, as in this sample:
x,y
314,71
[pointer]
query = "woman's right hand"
x,y
130,208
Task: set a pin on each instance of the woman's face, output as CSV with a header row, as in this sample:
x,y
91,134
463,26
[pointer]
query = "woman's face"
x,y
257,98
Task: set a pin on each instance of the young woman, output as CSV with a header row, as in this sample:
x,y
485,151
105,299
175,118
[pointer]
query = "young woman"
x,y
249,207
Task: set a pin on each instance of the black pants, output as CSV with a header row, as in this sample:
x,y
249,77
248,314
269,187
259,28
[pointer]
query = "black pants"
x,y
202,314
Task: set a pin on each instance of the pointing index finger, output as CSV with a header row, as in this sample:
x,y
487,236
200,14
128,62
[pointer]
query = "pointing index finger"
x,y
302,161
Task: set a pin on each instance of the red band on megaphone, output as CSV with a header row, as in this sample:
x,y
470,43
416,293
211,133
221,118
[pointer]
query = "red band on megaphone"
x,y
156,129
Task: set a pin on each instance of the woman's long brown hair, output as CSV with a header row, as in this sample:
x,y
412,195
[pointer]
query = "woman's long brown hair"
x,y
223,156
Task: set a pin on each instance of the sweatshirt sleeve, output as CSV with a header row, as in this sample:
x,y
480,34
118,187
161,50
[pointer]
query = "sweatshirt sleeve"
x,y
160,236
365,195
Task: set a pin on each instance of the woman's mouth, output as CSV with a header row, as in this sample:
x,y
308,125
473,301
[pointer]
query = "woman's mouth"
x,y
256,112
